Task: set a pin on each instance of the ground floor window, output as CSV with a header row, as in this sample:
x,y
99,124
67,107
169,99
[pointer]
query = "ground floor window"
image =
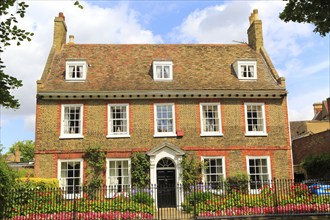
x,y
259,172
118,175
70,176
214,172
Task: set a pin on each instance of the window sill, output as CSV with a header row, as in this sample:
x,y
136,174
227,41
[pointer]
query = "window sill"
x,y
119,136
71,136
211,134
165,135
256,134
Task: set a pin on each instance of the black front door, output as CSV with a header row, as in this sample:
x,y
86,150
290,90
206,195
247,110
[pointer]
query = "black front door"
x,y
166,188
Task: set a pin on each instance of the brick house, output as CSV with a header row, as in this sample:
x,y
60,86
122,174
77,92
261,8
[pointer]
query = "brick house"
x,y
224,102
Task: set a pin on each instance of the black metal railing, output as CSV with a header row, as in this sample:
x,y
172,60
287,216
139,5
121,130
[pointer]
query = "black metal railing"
x,y
276,197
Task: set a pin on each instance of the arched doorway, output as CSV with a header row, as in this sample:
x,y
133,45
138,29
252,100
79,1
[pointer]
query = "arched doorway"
x,y
166,183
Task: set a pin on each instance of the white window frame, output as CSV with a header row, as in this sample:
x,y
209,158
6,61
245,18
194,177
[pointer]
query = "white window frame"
x,y
204,177
248,158
238,68
164,134
112,189
59,177
162,64
210,133
255,133
70,64
73,135
117,134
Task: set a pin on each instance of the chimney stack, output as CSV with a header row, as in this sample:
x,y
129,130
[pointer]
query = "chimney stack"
x,y
254,32
60,31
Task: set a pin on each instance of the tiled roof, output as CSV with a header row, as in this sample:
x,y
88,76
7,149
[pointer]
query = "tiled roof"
x,y
121,67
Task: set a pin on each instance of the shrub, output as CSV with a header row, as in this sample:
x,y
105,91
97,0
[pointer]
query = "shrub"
x,y
238,182
7,182
143,197
43,183
317,166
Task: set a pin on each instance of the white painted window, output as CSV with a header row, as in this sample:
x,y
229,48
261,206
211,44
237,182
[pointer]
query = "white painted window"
x,y
210,119
70,175
76,70
162,70
246,70
255,122
164,119
118,119
118,176
259,172
214,169
72,121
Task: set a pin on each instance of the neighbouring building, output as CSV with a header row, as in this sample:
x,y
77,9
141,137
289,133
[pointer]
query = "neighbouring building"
x,y
224,102
311,137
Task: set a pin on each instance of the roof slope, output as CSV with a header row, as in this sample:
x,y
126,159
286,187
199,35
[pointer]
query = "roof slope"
x,y
120,67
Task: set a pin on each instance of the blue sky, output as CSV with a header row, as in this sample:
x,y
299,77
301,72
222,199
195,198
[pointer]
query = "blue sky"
x,y
298,53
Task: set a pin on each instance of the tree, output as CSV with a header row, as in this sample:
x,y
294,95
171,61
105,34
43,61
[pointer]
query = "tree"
x,y
26,149
316,12
10,32
317,166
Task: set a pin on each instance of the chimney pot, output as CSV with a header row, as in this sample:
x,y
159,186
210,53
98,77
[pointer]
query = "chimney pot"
x,y
61,15
71,39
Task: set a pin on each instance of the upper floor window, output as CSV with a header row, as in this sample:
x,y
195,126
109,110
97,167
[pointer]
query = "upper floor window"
x,y
70,173
164,119
76,70
162,70
259,172
71,121
255,123
210,119
118,120
246,69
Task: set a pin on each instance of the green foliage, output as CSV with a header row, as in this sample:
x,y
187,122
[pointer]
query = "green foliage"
x,y
309,11
238,182
7,181
95,159
26,149
24,172
317,166
140,170
191,170
142,197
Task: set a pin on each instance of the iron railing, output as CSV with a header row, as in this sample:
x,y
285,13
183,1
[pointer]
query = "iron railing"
x,y
276,197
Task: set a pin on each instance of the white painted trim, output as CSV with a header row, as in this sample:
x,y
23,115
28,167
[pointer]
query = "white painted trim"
x,y
268,170
68,136
164,134
162,63
223,160
121,135
205,133
111,194
255,133
76,63
81,173
237,67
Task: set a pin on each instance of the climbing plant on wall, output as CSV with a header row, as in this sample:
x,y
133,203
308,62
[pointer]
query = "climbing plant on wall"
x,y
140,170
191,170
95,159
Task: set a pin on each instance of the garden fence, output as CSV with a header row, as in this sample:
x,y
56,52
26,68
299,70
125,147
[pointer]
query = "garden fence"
x,y
218,199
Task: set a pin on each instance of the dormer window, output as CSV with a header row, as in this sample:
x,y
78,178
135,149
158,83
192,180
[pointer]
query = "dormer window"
x,y
246,70
162,70
76,70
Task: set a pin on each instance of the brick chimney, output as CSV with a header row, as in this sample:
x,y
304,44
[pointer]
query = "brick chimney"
x,y
17,155
59,32
254,32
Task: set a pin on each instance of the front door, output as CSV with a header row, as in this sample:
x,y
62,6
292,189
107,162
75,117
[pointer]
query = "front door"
x,y
166,188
